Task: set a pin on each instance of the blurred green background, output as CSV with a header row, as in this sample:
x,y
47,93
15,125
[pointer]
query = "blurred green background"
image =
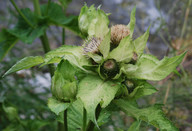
x,y
170,35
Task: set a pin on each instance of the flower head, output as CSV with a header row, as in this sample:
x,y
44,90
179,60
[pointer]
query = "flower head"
x,y
92,45
118,32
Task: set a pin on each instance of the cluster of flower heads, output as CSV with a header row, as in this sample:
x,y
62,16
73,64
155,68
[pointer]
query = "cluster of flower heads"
x,y
118,32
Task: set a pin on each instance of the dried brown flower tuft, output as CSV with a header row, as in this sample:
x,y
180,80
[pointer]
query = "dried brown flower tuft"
x,y
92,45
118,32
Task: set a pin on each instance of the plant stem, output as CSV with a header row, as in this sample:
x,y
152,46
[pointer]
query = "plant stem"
x,y
63,30
91,124
46,47
65,120
84,119
186,18
63,36
37,7
48,7
44,39
21,14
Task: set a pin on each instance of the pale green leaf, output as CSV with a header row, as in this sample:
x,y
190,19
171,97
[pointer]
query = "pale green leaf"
x,y
74,116
93,22
142,88
74,54
124,52
97,58
140,42
135,126
153,115
64,84
25,63
104,47
57,106
150,68
93,90
131,24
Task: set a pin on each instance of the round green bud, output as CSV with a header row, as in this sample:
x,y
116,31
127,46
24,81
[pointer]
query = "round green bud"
x,y
110,68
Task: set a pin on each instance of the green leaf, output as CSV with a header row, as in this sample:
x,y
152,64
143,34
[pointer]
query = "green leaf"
x,y
36,125
57,106
135,126
55,15
26,33
25,63
150,68
131,24
65,3
74,54
93,22
74,116
7,41
124,52
142,88
14,127
93,90
104,117
153,115
64,84
97,58
11,113
104,47
140,42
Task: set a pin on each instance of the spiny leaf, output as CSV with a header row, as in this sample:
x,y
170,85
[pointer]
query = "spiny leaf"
x,y
97,58
150,68
140,43
153,115
104,47
142,88
131,24
124,51
93,22
93,90
74,54
57,106
74,116
25,63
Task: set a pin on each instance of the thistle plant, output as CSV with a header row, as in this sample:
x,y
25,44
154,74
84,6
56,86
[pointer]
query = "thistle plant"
x,y
108,72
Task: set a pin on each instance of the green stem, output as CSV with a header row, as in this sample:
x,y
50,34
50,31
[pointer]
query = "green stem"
x,y
65,120
63,31
21,14
84,119
37,7
46,47
186,18
48,7
44,39
63,36
91,124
